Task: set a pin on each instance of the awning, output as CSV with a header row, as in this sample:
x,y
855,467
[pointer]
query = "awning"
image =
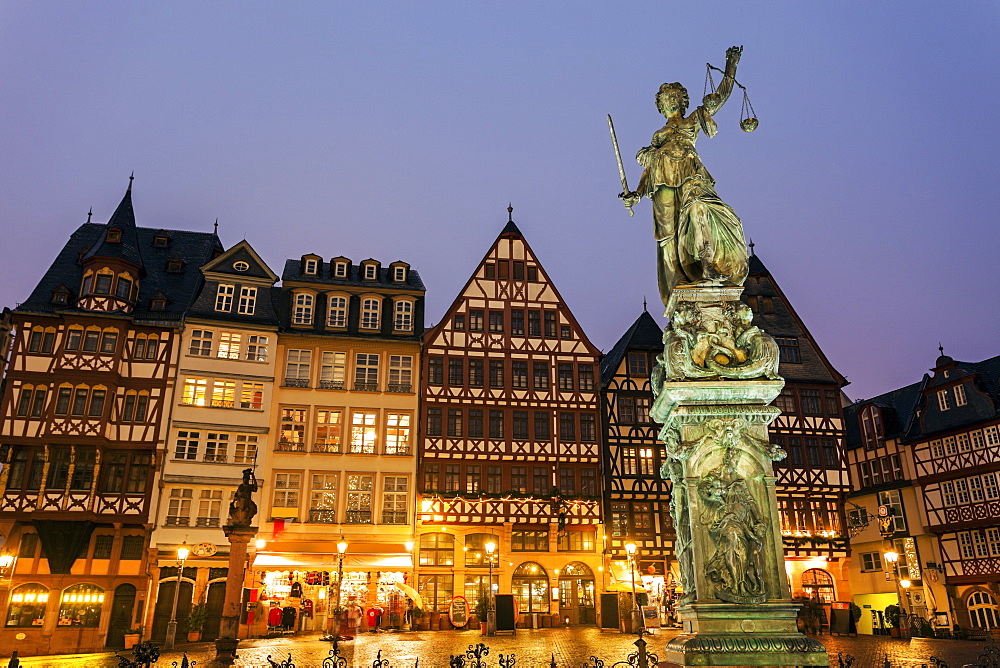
x,y
412,593
329,562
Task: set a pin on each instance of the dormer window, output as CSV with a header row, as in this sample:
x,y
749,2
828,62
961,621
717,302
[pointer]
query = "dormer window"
x,y
160,240
960,399
158,303
60,296
340,270
399,274
175,263
944,402
370,272
311,267
241,265
871,427
114,235
102,283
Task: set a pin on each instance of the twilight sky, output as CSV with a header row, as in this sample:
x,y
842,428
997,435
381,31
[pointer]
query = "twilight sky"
x,y
400,130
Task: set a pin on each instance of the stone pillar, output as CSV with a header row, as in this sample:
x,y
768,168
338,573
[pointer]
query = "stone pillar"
x,y
227,642
714,383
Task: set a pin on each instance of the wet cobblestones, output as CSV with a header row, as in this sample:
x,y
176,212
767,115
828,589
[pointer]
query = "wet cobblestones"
x,y
533,648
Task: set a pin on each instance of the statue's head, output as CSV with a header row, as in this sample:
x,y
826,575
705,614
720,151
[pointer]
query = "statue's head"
x,y
672,97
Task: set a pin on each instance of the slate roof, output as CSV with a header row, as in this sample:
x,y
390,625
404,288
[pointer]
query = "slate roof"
x,y
644,333
293,272
785,322
124,219
180,288
900,407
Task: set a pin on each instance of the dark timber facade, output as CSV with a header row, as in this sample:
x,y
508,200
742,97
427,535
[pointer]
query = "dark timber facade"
x,y
510,448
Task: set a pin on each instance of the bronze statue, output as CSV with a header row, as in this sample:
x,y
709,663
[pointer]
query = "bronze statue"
x,y
242,509
700,238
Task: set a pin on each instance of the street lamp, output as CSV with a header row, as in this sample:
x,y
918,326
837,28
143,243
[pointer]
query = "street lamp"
x,y
491,612
630,549
893,558
6,561
182,555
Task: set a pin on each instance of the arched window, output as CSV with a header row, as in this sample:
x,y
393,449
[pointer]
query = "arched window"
x,y
91,339
475,550
74,337
403,318
530,586
27,606
576,586
576,569
871,426
303,311
437,549
124,288
81,605
102,282
109,340
370,313
818,584
983,610
337,312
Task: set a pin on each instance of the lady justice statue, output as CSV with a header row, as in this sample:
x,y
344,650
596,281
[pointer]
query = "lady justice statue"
x,y
700,238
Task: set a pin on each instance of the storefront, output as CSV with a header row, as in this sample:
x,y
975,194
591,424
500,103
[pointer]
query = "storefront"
x,y
292,594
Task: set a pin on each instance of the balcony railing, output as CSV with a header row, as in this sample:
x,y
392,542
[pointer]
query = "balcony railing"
x,y
366,387
331,384
207,522
394,518
175,521
359,517
290,446
255,405
397,450
330,448
223,403
216,457
323,516
296,382
400,387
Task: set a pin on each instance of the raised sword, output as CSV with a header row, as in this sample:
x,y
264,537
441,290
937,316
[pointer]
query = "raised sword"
x,y
621,167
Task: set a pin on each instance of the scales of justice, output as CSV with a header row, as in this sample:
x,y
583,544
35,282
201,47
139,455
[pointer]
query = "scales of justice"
x,y
713,385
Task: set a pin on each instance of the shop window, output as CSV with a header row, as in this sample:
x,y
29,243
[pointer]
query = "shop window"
x,y
81,606
437,549
27,606
436,591
530,585
982,610
818,585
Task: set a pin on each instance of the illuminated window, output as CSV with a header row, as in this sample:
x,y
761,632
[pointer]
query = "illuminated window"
x,y
256,348
359,499
229,345
397,434
27,606
81,605
364,433
195,391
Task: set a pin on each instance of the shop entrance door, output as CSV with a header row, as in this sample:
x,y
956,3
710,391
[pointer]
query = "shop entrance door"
x,y
164,603
576,594
213,610
121,615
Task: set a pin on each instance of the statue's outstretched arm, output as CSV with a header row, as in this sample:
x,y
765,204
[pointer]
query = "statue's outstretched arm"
x,y
725,88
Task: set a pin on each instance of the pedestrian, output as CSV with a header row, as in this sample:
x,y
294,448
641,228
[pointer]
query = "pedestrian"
x,y
14,661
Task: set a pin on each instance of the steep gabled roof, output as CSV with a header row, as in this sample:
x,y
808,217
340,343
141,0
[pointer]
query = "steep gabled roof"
x,y
785,322
644,333
122,219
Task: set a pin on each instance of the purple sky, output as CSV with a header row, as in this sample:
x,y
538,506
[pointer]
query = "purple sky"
x,y
401,131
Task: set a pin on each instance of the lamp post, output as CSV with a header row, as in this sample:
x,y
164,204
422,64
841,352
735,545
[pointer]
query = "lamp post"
x,y
630,549
893,558
182,555
491,611
341,549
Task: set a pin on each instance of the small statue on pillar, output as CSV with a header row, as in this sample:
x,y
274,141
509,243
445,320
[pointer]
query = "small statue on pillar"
x,y
242,509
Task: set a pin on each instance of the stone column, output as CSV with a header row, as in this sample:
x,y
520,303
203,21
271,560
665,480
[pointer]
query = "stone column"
x,y
714,383
227,642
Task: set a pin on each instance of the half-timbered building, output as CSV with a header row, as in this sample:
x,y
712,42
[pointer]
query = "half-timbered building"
x,y
340,459
510,450
90,380
220,416
812,481
637,498
929,452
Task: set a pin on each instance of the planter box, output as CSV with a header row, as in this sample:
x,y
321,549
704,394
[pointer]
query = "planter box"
x,y
131,640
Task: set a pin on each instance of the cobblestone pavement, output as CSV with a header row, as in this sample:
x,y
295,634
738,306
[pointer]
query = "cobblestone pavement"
x,y
533,649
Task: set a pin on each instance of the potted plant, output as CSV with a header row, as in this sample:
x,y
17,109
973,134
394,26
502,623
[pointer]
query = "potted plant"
x,y
483,612
196,622
132,637
891,614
